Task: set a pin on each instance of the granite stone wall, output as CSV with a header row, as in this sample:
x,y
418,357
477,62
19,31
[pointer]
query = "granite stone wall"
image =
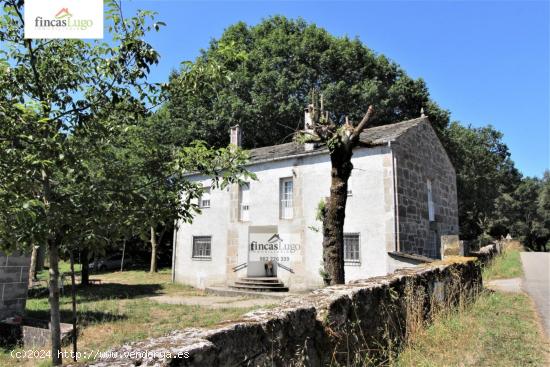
x,y
420,157
14,279
331,326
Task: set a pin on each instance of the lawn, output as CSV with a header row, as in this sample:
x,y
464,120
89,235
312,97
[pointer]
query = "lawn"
x,y
507,265
118,311
498,329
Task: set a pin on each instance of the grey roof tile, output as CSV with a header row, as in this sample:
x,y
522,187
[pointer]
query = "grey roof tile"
x,y
377,135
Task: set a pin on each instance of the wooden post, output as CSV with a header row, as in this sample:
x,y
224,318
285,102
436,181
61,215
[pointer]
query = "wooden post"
x,y
123,252
73,295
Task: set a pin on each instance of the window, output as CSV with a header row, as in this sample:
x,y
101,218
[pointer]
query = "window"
x,y
431,209
244,202
202,247
351,248
204,201
286,205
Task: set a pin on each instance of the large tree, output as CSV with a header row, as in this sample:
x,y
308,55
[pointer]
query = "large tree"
x,y
525,213
277,63
61,180
484,171
280,60
50,94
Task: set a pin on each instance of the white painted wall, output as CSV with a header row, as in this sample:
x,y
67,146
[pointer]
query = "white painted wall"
x,y
367,213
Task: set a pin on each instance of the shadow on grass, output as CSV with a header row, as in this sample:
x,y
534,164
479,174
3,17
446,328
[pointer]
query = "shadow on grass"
x,y
104,291
84,317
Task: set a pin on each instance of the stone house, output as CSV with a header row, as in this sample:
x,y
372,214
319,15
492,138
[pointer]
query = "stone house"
x,y
401,208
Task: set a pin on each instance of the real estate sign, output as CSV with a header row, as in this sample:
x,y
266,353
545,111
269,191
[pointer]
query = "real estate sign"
x,y
64,19
266,243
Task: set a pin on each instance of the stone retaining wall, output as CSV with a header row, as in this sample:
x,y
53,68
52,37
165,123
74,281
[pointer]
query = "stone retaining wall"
x,y
365,319
14,281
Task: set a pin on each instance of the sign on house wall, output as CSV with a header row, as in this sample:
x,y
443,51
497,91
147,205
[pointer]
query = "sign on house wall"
x,y
266,243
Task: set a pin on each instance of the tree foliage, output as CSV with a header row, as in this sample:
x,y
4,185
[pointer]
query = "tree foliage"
x,y
71,112
525,213
274,65
484,173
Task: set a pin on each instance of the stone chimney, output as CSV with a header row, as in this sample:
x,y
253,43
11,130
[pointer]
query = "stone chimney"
x,y
235,136
308,126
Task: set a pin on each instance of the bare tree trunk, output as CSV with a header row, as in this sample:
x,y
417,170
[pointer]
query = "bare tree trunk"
x,y
53,252
154,245
32,268
85,267
54,302
335,213
41,257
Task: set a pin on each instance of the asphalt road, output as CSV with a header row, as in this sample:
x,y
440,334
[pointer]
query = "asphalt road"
x,y
536,282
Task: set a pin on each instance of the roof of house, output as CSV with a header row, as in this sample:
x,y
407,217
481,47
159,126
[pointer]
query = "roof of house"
x,y
378,135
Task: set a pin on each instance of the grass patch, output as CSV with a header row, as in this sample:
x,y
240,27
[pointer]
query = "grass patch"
x,y
507,265
119,311
498,329
64,267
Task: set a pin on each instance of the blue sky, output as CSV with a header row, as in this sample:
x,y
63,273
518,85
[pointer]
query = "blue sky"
x,y
487,62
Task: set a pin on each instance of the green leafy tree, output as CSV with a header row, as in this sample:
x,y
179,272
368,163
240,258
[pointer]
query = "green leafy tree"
x,y
274,65
524,213
484,171
154,143
157,168
51,93
544,209
62,181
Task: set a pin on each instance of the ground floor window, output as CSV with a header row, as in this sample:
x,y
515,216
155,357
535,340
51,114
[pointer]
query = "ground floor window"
x,y
351,248
202,247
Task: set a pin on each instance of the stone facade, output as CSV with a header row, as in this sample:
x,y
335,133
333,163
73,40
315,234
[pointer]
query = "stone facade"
x,y
369,214
330,326
419,157
14,281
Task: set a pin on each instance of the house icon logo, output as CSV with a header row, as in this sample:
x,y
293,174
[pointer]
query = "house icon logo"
x,y
275,239
63,13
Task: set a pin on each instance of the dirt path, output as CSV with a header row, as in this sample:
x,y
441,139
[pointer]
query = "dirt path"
x,y
536,283
214,301
511,285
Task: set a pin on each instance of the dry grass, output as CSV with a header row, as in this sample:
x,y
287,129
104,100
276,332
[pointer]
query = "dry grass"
x,y
507,265
498,329
119,311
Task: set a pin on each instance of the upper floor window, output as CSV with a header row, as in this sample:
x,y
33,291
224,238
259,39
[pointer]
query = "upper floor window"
x,y
431,208
286,198
202,247
244,202
351,248
204,201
